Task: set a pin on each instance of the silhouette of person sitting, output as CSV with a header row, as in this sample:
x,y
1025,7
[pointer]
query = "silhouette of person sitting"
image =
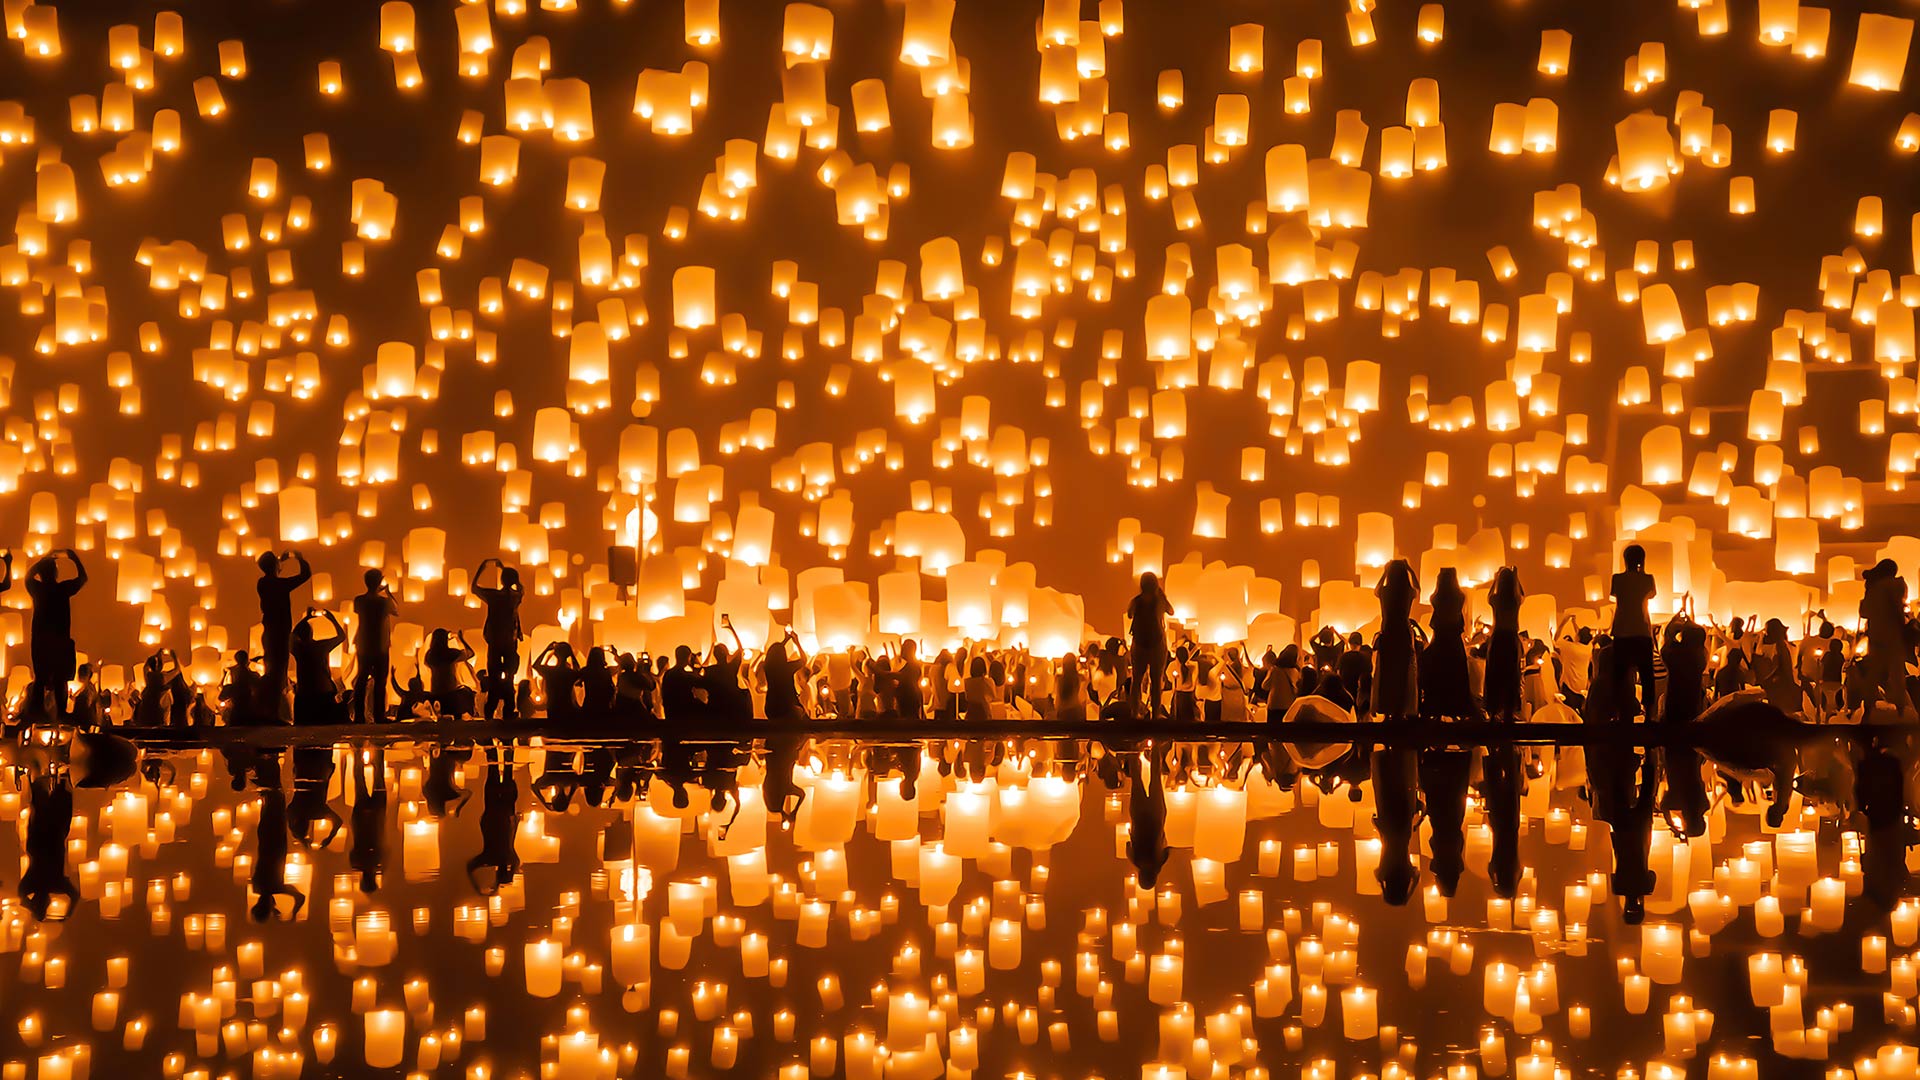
x,y
677,690
316,696
443,662
559,672
1683,650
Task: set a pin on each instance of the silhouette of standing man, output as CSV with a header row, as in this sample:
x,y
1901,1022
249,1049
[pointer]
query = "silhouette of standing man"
x,y
374,613
1633,633
502,634
1147,634
50,644
1884,610
276,628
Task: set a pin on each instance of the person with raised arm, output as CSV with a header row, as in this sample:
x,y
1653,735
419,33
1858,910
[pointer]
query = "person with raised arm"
x,y
316,696
50,642
781,667
727,700
502,635
374,613
276,626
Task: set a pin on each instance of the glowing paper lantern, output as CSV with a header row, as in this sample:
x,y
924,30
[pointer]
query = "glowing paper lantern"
x,y
1880,51
693,304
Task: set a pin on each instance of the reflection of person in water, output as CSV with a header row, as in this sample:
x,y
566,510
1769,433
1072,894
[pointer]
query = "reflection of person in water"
x,y
51,818
1881,792
312,778
1147,846
1620,798
1395,805
1685,800
368,854
499,824
1501,781
441,786
1444,777
270,853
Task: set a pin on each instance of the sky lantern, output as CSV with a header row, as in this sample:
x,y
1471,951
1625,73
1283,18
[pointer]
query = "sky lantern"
x,y
1880,51
693,304
1645,151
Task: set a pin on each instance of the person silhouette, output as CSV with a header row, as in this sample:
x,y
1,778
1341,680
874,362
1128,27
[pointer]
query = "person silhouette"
x,y
374,613
1395,685
1883,610
677,689
241,691
499,827
1880,791
50,641
1445,774
313,768
502,635
727,701
368,853
1502,691
1446,685
1147,846
270,852
783,693
316,697
45,874
1633,590
441,787
1147,636
559,672
596,687
1620,798
1395,770
1683,650
443,662
908,695
6,569
276,628
1502,778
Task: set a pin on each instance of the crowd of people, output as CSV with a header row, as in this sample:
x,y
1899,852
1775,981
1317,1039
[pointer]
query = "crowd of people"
x,y
1446,669
1750,690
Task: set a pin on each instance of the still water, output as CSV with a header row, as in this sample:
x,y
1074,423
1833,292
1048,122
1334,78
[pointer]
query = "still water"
x,y
812,908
